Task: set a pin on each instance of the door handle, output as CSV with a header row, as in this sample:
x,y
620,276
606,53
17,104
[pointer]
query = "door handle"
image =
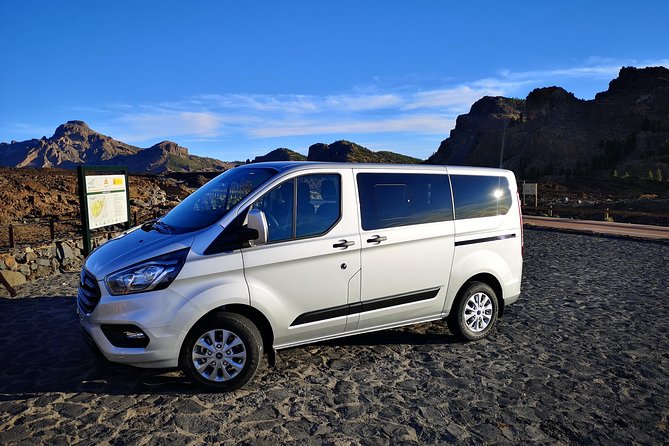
x,y
377,239
343,244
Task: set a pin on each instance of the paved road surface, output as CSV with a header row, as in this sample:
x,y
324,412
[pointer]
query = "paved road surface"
x,y
600,227
581,359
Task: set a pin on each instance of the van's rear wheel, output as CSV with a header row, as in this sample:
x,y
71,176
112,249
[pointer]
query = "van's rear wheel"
x,y
222,353
474,312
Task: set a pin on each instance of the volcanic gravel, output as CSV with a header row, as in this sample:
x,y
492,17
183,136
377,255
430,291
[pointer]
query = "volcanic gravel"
x,y
581,358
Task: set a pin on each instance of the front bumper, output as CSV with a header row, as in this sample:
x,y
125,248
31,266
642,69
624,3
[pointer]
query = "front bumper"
x,y
154,313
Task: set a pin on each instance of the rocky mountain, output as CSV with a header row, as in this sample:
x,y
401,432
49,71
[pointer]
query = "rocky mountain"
x,y
280,154
349,152
340,152
623,131
74,143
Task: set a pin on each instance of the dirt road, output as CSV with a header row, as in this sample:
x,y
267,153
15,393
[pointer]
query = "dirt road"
x,y
599,227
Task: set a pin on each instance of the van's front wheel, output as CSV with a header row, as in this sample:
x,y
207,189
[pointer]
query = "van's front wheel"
x,y
222,353
474,312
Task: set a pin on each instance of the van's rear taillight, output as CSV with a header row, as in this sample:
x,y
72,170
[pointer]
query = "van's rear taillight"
x,y
520,217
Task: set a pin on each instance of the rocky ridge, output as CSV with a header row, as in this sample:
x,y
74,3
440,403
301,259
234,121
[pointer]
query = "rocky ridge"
x,y
38,193
622,131
349,152
75,143
280,154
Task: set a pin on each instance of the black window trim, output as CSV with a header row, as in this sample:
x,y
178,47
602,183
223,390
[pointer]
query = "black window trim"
x,y
294,231
414,223
477,174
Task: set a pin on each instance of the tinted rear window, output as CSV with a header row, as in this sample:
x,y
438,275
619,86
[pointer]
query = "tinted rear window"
x,y
480,196
399,199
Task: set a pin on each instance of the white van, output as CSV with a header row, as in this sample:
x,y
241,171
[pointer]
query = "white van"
x,y
273,255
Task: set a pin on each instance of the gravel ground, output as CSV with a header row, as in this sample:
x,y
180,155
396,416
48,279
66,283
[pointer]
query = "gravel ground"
x,y
581,358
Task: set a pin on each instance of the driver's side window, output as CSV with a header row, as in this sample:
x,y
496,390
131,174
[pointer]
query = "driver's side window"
x,y
307,208
277,205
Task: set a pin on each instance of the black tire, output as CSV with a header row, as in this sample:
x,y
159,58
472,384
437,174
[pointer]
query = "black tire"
x,y
474,312
233,355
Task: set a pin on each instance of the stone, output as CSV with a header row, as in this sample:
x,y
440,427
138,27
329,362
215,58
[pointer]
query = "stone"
x,y
9,261
63,251
43,271
43,262
14,277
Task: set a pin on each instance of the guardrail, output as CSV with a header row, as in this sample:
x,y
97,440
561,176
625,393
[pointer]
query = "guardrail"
x,y
37,227
606,213
34,230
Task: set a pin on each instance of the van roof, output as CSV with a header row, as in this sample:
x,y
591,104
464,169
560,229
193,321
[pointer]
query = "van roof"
x,y
285,166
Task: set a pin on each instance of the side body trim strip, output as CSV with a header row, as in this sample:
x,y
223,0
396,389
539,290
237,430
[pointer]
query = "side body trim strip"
x,y
362,307
484,240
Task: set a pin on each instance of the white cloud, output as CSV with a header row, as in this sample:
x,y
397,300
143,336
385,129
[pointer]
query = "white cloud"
x,y
459,98
419,124
165,125
593,68
363,102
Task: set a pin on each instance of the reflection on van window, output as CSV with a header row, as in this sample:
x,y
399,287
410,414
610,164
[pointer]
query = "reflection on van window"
x,y
211,202
480,196
307,207
277,205
318,204
399,199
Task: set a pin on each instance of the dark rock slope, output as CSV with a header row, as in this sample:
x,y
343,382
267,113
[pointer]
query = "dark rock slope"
x,y
346,151
622,131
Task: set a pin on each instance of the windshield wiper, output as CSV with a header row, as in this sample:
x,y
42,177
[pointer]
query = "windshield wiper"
x,y
146,227
161,224
158,225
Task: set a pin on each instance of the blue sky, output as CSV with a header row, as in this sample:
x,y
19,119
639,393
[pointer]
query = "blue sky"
x,y
233,80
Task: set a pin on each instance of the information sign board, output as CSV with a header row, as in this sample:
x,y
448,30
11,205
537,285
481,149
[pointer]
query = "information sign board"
x,y
106,197
530,188
103,199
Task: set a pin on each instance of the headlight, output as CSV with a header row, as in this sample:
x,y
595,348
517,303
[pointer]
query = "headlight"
x,y
150,275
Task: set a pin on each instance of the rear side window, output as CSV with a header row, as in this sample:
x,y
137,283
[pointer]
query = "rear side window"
x,y
480,196
400,199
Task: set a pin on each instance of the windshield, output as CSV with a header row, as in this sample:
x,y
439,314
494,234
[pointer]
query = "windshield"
x,y
211,202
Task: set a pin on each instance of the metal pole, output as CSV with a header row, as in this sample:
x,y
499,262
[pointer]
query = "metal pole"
x,y
11,236
52,229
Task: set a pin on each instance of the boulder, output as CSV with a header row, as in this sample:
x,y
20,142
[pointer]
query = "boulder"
x,y
64,251
9,261
14,277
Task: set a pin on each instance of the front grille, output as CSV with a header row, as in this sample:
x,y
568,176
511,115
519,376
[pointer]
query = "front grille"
x,y
89,293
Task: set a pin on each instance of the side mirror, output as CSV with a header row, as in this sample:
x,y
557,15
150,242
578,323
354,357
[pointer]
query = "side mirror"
x,y
257,221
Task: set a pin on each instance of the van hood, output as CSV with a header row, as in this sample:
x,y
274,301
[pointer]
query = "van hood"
x,y
134,246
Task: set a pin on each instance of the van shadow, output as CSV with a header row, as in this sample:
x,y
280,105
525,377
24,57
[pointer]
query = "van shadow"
x,y
429,333
42,350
